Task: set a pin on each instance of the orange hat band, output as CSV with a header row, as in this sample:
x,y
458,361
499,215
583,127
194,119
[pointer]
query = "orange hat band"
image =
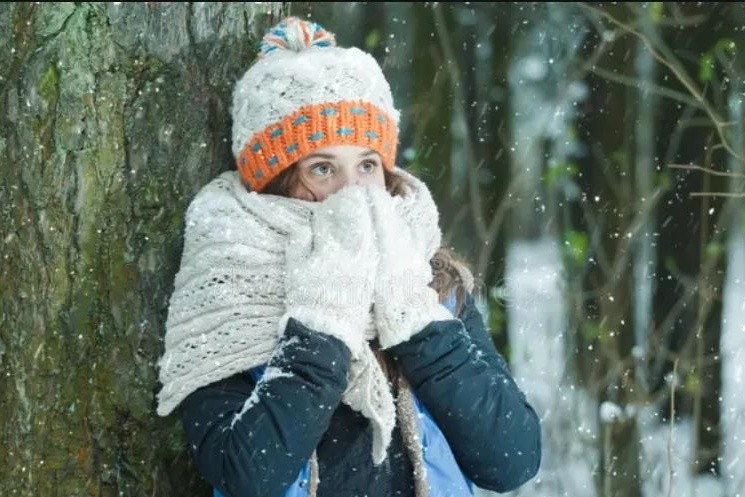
x,y
278,146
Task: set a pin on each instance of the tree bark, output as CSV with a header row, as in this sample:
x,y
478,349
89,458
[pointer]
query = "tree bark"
x,y
645,167
113,116
732,405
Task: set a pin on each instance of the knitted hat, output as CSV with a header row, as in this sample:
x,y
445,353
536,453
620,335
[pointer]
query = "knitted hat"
x,y
304,93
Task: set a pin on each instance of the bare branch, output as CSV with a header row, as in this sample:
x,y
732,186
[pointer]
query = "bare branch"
x,y
684,122
670,472
454,73
448,235
494,226
707,170
657,90
718,194
680,19
669,61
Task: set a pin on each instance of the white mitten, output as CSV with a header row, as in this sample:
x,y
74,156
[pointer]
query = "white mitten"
x,y
331,269
404,302
418,209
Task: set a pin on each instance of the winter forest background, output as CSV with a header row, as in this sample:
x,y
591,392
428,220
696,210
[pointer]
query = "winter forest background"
x,y
588,161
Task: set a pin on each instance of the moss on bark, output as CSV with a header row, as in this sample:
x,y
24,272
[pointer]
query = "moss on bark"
x,y
114,116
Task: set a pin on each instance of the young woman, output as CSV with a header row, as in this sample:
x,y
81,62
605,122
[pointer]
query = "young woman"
x,y
319,341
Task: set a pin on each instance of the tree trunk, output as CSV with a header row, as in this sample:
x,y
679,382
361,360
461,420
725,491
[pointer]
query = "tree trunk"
x,y
604,220
732,404
543,103
114,115
645,167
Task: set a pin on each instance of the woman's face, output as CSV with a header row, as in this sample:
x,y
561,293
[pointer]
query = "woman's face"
x,y
327,170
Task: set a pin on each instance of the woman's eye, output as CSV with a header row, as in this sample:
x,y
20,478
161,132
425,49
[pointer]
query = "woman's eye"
x,y
368,166
321,169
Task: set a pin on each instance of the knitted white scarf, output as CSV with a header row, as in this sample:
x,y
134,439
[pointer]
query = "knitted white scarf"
x,y
229,294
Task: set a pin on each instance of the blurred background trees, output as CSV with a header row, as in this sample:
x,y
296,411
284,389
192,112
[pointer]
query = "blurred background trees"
x,y
588,160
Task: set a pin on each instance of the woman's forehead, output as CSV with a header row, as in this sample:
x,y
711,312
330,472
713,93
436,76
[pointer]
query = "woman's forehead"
x,y
341,151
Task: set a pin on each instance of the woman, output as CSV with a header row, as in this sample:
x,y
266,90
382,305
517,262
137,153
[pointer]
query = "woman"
x,y
309,346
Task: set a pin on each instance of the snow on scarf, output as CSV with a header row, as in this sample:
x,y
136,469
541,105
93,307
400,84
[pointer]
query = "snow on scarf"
x,y
229,295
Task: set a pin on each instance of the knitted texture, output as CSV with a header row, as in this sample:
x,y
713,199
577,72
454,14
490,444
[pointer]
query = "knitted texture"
x,y
302,94
314,477
295,34
330,276
404,300
229,293
311,128
406,413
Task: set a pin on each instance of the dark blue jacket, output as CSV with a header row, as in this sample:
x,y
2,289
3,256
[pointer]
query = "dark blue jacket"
x,y
455,371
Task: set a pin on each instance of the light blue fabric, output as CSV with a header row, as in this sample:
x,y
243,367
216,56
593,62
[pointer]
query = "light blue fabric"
x,y
450,302
443,474
444,477
299,487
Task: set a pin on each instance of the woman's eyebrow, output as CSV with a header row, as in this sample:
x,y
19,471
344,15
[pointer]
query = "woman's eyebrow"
x,y
322,155
319,155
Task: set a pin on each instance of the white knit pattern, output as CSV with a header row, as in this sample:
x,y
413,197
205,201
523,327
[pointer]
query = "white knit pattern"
x,y
285,80
229,295
404,301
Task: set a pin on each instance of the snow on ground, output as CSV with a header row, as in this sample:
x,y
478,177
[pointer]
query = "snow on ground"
x,y
569,417
537,321
664,449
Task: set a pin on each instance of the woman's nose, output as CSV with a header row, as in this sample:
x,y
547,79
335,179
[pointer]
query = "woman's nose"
x,y
348,178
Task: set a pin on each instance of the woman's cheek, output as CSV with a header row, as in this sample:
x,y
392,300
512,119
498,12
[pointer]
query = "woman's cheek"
x,y
302,192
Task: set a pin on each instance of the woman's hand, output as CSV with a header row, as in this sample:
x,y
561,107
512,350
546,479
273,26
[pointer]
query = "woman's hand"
x,y
331,268
403,301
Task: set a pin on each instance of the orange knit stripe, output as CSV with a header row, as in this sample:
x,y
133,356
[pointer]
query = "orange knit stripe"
x,y
313,127
281,42
306,37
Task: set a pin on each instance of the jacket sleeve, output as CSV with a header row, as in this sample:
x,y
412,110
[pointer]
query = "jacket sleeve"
x,y
457,373
252,440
